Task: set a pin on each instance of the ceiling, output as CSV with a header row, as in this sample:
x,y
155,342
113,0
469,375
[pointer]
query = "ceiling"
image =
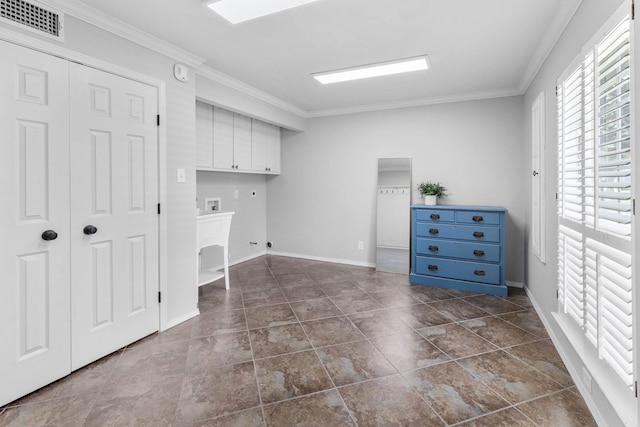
x,y
477,48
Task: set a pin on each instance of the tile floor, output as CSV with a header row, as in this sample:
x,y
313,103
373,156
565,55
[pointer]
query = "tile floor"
x,y
307,343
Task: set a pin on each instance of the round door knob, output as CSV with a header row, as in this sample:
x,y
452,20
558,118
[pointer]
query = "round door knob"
x,y
89,230
49,235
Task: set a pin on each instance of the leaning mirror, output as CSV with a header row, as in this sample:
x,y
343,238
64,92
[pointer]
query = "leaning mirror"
x,y
393,215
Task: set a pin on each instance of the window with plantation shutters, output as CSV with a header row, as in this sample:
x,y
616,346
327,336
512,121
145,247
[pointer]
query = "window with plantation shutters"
x,y
595,200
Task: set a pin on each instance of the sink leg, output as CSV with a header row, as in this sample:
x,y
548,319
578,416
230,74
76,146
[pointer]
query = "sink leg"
x,y
226,267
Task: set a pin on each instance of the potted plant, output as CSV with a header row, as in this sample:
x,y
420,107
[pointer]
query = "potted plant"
x,y
431,191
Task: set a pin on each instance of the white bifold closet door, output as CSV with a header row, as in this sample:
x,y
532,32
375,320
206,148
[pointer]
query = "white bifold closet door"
x,y
35,303
114,189
80,159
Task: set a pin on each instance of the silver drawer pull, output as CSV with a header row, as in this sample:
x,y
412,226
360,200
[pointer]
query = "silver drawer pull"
x,y
432,267
477,218
478,234
433,231
478,252
479,272
433,248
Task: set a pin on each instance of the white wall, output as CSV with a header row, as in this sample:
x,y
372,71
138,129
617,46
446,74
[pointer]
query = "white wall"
x,y
541,278
325,199
249,222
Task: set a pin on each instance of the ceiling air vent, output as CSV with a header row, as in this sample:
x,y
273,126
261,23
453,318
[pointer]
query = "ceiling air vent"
x,y
33,17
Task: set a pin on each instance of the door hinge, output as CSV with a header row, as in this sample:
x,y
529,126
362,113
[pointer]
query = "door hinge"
x,y
557,294
633,14
633,206
556,90
159,297
158,208
158,116
636,388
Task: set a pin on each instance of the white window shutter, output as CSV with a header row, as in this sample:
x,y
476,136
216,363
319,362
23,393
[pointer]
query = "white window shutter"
x,y
595,271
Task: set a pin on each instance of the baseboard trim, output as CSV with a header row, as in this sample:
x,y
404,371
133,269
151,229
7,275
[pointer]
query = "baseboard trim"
x,y
324,259
239,261
181,319
511,284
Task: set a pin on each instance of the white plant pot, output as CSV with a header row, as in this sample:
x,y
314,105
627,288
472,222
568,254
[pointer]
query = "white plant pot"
x,y
430,200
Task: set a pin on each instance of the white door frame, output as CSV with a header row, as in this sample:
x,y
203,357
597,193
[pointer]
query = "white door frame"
x,y
52,49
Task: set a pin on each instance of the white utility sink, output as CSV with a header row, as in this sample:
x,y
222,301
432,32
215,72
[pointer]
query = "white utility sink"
x,y
213,230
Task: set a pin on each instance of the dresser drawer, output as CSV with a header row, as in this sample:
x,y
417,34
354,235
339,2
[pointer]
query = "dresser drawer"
x,y
452,249
435,215
461,232
478,217
456,269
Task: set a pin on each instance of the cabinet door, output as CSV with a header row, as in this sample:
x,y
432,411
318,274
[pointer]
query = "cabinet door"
x,y
273,149
258,146
222,139
241,142
34,171
204,135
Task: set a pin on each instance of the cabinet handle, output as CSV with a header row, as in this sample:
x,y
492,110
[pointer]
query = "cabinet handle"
x,y
477,218
433,248
435,216
478,252
478,234
433,231
432,267
479,272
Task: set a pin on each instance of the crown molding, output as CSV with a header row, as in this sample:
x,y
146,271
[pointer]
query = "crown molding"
x,y
415,103
561,19
109,23
240,86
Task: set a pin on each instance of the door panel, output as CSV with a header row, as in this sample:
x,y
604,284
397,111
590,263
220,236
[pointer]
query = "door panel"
x,y
34,168
114,187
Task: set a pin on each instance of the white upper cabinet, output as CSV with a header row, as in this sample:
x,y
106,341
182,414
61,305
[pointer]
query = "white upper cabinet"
x,y
227,141
204,135
273,149
258,146
241,142
223,139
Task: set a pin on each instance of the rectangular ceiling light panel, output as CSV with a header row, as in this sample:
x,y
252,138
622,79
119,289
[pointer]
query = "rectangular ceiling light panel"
x,y
236,11
373,70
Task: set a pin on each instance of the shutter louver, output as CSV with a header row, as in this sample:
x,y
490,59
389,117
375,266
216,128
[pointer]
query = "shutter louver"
x,y
614,133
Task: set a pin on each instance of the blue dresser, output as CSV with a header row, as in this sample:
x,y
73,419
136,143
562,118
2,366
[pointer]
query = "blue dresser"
x,y
458,247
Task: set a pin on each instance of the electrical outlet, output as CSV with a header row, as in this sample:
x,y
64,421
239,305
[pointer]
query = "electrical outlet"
x,y
360,244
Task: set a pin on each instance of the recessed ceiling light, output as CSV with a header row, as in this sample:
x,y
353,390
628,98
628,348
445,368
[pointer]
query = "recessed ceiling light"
x,y
236,11
373,70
